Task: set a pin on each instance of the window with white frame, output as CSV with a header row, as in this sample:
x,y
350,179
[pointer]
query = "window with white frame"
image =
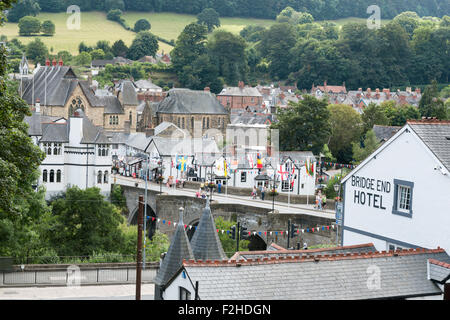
x,y
103,150
403,195
243,176
286,186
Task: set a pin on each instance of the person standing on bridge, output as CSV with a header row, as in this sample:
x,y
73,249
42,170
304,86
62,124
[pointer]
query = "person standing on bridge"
x,y
263,192
219,187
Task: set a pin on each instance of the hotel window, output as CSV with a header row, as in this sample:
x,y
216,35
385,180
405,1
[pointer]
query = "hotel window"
x,y
52,175
185,294
105,177
204,121
58,176
99,177
44,175
243,176
192,123
403,194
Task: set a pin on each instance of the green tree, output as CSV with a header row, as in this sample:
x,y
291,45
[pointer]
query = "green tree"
x,y
145,44
23,8
228,244
97,54
156,246
20,205
302,18
275,44
346,128
83,59
119,49
114,5
372,115
431,105
210,18
303,125
48,28
142,25
114,15
409,21
82,47
103,45
369,145
227,51
190,44
29,25
83,222
37,51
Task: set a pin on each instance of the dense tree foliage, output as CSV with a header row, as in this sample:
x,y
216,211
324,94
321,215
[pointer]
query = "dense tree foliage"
x,y
319,9
23,8
142,25
210,18
145,44
362,150
304,125
37,51
119,49
29,26
48,28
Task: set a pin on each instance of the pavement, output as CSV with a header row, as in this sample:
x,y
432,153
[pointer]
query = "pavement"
x,y
97,292
282,207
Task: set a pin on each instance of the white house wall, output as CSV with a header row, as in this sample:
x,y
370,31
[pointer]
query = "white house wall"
x,y
406,158
172,292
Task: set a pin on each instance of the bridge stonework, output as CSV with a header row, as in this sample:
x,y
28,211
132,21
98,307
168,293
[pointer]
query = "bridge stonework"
x,y
253,218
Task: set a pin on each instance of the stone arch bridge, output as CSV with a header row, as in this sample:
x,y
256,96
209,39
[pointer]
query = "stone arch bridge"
x,y
165,207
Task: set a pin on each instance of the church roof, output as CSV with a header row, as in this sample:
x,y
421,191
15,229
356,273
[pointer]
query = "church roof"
x,y
128,92
185,101
179,249
205,242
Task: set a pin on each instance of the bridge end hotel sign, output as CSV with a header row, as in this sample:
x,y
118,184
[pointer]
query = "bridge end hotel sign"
x,y
398,196
369,191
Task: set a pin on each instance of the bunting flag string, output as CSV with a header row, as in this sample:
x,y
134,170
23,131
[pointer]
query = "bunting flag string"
x,y
252,232
333,164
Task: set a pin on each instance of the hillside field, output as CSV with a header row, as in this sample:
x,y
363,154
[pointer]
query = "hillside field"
x,y
95,26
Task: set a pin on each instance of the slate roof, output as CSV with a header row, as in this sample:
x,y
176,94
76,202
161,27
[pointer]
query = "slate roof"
x,y
436,136
112,105
205,242
138,140
146,84
240,92
340,277
277,251
384,133
61,81
35,122
172,147
185,101
179,249
55,132
128,91
92,134
439,271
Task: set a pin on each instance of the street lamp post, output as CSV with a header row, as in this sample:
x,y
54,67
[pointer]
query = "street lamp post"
x,y
337,188
274,192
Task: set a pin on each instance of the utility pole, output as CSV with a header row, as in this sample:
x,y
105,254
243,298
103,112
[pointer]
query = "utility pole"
x,y
145,209
238,235
140,223
289,231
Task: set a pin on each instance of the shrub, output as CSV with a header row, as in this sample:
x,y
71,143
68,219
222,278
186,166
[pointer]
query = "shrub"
x,y
142,25
48,28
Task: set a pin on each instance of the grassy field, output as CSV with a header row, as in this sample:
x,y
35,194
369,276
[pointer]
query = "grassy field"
x,y
95,26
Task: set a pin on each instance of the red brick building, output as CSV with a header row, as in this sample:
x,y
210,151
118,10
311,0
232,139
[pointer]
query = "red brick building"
x,y
240,97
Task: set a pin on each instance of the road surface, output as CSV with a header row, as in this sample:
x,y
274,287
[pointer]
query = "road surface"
x,y
282,207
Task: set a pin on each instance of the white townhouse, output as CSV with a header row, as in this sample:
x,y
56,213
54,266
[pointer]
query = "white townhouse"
x,y
399,196
77,153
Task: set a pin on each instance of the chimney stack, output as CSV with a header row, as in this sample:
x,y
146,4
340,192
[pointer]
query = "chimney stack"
x,y
47,62
61,63
38,105
54,62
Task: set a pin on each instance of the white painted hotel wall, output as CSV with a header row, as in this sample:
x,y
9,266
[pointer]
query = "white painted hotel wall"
x,y
405,158
172,292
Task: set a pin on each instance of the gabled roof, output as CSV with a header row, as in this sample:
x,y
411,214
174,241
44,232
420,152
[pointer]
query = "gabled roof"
x,y
55,132
205,242
185,101
318,277
55,90
436,136
439,271
128,92
384,133
179,250
240,92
